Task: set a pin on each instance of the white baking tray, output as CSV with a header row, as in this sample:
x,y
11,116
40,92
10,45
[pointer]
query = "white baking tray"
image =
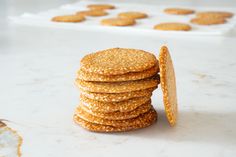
x,y
143,26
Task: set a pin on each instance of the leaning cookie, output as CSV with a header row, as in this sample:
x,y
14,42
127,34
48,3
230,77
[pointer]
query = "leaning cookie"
x,y
179,11
68,18
173,27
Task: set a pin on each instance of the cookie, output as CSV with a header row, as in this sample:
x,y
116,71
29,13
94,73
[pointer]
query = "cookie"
x,y
118,87
100,6
119,115
106,128
116,97
118,22
132,15
173,27
140,120
68,18
208,21
118,61
168,85
214,14
87,76
178,11
107,107
94,13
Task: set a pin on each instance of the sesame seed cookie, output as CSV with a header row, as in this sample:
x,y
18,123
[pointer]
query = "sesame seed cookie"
x,y
173,26
132,15
178,11
121,61
100,6
94,13
107,107
208,21
68,18
140,120
116,97
214,14
168,85
118,87
87,76
106,128
119,115
118,22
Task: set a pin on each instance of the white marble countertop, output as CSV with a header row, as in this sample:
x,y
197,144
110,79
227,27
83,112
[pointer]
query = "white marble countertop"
x,y
38,95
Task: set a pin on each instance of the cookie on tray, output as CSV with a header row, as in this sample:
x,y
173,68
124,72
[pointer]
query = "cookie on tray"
x,y
179,11
68,18
100,6
173,26
133,15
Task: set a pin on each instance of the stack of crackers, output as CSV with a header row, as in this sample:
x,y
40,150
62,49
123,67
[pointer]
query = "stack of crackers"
x,y
116,87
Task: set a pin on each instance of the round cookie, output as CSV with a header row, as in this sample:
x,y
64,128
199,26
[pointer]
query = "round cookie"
x,y
178,11
68,18
214,14
87,76
173,26
107,107
117,61
168,85
208,21
120,115
94,13
106,128
132,15
140,120
118,22
117,97
100,6
118,87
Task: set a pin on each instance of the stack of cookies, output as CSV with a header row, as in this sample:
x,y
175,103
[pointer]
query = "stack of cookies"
x,y
116,86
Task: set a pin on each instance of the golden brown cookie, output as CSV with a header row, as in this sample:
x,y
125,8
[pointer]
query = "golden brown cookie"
x,y
140,120
214,14
107,107
208,21
168,85
119,115
118,87
117,61
106,128
132,15
178,11
68,18
100,6
94,13
118,22
173,27
116,97
87,76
